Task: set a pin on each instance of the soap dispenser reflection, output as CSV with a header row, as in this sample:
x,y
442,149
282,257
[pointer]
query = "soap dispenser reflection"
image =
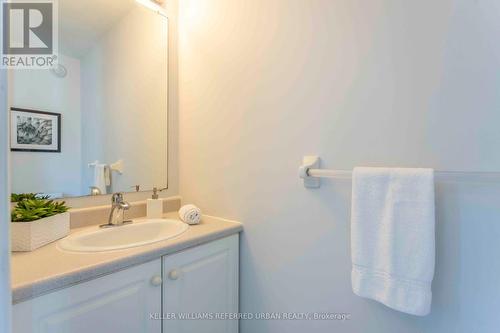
x,y
154,206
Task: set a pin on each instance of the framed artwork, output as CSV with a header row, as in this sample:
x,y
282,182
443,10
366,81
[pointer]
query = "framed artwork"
x,y
35,131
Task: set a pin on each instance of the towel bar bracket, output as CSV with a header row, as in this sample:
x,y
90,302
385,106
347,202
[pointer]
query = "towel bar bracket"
x,y
309,162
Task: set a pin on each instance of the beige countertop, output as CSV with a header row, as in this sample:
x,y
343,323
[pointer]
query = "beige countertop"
x,y
49,268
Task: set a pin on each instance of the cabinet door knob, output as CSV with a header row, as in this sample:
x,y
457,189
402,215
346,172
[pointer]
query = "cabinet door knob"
x,y
174,274
156,280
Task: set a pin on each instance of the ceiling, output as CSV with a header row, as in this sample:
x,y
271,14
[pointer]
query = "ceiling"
x,y
82,22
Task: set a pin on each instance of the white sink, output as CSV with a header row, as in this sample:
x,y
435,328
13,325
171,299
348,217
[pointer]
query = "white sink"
x,y
140,232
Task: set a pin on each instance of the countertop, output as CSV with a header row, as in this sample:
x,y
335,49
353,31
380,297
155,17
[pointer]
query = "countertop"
x,y
49,268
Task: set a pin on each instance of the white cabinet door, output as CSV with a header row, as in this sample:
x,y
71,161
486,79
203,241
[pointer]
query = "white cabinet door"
x,y
119,302
201,282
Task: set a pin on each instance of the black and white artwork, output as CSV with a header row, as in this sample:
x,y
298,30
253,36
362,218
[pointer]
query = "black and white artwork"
x,y
35,131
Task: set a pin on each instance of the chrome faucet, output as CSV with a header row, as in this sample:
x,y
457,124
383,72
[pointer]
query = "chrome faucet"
x,y
118,207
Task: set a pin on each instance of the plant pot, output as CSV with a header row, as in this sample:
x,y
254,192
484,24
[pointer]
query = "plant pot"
x,y
28,236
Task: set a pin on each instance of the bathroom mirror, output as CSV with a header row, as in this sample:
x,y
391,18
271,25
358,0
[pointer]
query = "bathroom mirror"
x,y
96,123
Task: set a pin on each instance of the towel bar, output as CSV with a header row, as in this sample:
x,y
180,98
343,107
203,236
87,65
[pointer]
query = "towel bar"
x,y
311,173
118,166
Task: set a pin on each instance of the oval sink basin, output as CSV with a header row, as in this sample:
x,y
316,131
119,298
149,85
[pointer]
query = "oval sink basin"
x,y
141,232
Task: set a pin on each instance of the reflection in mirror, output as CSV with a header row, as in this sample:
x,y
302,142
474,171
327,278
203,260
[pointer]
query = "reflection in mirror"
x,y
96,123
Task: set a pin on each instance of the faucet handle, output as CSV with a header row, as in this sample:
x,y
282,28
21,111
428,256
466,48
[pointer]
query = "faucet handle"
x,y
117,198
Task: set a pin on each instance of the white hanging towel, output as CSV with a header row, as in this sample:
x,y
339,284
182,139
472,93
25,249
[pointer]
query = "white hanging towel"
x,y
107,175
101,177
392,237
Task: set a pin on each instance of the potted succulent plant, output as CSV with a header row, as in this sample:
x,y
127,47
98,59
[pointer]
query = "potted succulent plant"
x,y
37,221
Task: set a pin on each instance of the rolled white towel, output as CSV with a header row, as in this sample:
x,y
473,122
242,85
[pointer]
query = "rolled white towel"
x,y
190,214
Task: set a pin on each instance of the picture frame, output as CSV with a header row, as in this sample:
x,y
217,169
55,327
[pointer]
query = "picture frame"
x,y
35,131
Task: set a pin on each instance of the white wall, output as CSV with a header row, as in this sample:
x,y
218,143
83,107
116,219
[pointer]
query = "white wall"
x,y
124,85
41,90
5,289
390,83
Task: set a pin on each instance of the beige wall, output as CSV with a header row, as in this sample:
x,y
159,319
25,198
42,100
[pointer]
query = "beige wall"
x,y
389,83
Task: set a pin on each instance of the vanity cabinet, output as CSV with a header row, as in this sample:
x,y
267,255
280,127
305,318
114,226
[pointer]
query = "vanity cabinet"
x,y
202,280
119,302
201,285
